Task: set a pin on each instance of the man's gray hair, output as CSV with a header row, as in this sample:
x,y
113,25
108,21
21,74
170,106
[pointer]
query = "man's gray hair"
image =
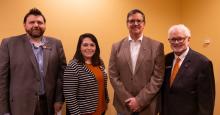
x,y
179,27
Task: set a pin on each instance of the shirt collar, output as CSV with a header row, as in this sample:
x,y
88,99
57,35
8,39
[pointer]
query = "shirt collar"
x,y
139,39
183,55
42,42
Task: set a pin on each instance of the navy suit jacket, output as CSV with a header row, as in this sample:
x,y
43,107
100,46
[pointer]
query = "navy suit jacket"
x,y
193,90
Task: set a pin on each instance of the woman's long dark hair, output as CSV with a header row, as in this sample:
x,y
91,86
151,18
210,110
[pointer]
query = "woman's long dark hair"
x,y
96,61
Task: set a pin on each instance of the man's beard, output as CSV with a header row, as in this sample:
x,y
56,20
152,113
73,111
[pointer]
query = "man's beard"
x,y
35,33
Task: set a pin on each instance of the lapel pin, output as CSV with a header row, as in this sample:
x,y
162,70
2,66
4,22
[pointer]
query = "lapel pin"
x,y
186,65
47,47
167,67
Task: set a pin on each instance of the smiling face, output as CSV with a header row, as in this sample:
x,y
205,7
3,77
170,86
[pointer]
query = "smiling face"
x,y
178,42
135,24
35,26
87,48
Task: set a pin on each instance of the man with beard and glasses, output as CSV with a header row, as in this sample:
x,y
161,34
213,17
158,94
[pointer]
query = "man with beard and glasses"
x,y
31,70
136,69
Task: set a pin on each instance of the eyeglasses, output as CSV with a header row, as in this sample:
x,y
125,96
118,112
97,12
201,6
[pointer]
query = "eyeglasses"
x,y
135,22
177,40
87,44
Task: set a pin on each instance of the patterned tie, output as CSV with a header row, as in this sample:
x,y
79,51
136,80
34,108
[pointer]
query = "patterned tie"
x,y
175,70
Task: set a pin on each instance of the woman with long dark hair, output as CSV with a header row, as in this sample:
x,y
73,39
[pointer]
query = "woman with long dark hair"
x,y
85,79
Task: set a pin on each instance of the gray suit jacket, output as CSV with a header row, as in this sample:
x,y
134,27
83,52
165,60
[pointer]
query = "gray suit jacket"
x,y
20,79
144,83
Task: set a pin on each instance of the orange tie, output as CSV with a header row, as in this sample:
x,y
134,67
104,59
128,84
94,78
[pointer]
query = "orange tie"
x,y
175,70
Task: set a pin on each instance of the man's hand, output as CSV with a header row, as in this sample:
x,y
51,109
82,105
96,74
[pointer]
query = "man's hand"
x,y
132,104
58,106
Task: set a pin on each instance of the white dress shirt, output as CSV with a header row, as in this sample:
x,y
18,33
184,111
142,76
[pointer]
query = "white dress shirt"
x,y
182,57
134,50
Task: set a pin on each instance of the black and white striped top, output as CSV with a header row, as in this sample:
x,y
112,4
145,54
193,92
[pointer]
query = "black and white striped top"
x,y
80,88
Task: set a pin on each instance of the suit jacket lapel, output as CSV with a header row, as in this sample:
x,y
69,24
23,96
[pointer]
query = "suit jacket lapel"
x,y
169,66
127,53
143,53
46,54
85,68
30,53
183,68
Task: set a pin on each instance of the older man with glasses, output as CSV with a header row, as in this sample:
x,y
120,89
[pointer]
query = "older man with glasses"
x,y
189,86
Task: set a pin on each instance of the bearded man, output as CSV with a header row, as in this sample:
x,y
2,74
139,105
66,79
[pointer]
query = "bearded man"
x,y
31,70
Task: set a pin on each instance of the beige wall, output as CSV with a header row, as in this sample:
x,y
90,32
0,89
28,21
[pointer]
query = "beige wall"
x,y
67,19
202,17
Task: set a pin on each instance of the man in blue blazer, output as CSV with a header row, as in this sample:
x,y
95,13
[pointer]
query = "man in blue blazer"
x,y
189,86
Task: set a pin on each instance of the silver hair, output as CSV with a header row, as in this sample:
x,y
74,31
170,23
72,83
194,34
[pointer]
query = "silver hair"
x,y
179,27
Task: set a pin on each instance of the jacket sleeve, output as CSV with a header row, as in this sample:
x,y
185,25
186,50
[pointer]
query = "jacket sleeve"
x,y
114,75
70,88
152,88
206,89
62,65
4,77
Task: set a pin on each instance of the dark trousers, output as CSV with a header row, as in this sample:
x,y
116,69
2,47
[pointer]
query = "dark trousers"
x,y
41,108
68,113
135,113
